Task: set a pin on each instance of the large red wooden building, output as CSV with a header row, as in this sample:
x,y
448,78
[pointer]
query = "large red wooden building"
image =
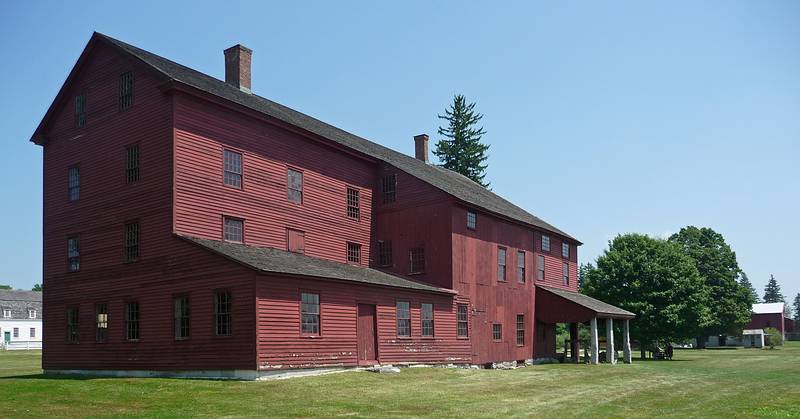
x,y
191,225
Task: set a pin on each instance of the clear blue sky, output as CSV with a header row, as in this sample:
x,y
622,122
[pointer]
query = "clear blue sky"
x,y
603,117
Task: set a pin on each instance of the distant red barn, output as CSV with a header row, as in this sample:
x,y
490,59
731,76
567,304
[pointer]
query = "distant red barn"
x,y
771,315
192,227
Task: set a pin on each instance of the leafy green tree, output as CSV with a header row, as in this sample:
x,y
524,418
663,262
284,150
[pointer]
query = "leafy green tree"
x,y
583,270
745,282
772,292
655,280
461,149
797,309
730,303
5,287
37,287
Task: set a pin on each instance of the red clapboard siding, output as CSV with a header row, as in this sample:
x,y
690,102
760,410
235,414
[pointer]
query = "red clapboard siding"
x,y
281,345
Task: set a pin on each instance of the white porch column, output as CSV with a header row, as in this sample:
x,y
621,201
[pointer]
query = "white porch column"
x,y
626,342
611,353
593,345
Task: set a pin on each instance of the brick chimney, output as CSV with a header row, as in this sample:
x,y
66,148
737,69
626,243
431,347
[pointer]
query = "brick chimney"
x,y
237,67
421,147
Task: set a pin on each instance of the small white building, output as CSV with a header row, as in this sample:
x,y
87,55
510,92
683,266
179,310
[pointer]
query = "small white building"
x,y
20,320
753,338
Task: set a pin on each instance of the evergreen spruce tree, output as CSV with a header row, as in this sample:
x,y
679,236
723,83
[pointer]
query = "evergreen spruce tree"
x,y
772,292
745,282
797,309
461,149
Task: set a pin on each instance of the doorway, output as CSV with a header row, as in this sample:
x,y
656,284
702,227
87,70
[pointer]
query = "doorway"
x,y
367,339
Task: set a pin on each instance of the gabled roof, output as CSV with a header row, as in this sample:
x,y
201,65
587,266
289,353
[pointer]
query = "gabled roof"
x,y
270,260
446,180
593,304
768,308
19,302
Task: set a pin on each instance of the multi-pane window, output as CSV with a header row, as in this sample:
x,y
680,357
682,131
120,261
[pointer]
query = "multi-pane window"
x,y
16,332
125,90
353,252
426,317
403,319
101,321
472,219
181,306
132,320
540,267
416,260
501,263
384,253
80,110
222,313
33,332
497,332
565,272
389,188
545,243
73,254
31,314
353,204
295,186
520,329
233,230
72,324
309,313
521,265
132,163
131,241
74,186
565,250
462,320
6,313
232,175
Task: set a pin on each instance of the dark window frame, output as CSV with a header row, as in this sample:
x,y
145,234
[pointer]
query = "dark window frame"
x,y
74,258
309,318
565,272
565,250
385,258
502,263
403,324
182,321
74,183
472,220
73,324
226,231
520,329
126,83
131,312
462,321
80,110
32,332
521,266
389,188
132,174
233,168
416,260
223,313
545,239
426,319
353,203
132,241
354,253
540,271
101,325
497,332
299,199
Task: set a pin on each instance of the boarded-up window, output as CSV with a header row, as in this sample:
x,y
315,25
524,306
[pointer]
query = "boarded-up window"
x,y
462,317
132,163
233,230
309,313
497,332
501,263
472,219
540,267
565,272
403,319
384,253
72,324
74,186
353,204
353,252
222,313
389,188
232,162
520,329
125,90
80,110
521,266
426,318
545,243
101,315
132,320
295,186
181,310
73,254
296,240
131,241
416,258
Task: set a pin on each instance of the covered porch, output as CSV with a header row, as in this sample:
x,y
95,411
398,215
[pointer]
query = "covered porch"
x,y
554,305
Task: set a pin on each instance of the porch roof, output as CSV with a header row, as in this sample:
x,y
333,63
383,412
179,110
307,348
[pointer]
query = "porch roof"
x,y
555,305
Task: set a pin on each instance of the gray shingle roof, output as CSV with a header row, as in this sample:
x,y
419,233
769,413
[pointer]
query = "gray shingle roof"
x,y
591,303
446,180
19,302
266,259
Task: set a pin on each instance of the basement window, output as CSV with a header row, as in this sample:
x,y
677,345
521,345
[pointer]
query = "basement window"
x,y
125,90
309,314
233,168
353,204
403,319
389,188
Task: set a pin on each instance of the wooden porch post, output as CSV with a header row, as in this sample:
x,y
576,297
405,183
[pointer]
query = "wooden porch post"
x,y
593,345
611,353
575,347
626,342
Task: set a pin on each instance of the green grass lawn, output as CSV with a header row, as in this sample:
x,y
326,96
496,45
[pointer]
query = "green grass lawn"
x,y
723,383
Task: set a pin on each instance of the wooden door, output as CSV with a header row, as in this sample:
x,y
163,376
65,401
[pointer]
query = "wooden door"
x,y
367,343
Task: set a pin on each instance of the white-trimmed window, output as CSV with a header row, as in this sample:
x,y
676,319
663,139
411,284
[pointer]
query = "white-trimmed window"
x,y
426,318
521,266
565,272
31,314
403,319
565,250
501,263
540,267
472,220
545,243
6,313
462,320
309,314
353,204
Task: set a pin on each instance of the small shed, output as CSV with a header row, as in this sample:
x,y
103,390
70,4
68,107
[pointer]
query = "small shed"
x,y
753,338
